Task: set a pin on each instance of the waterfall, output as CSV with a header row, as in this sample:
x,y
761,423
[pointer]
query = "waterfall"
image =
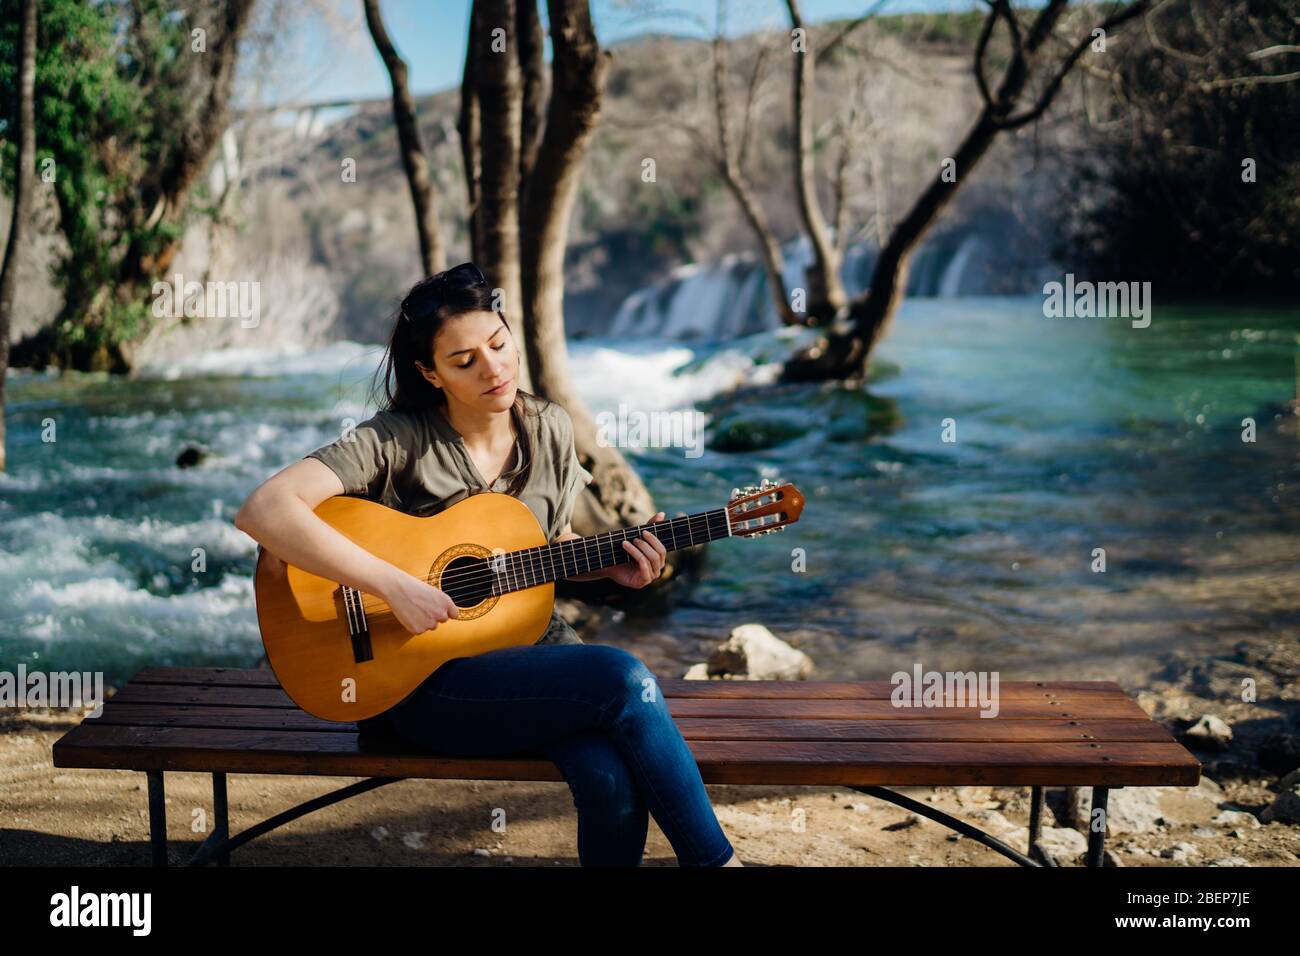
x,y
729,298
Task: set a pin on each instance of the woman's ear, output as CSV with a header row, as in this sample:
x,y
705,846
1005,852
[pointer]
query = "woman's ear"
x,y
429,374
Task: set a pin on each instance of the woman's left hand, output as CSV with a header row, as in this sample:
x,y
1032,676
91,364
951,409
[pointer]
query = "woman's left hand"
x,y
648,556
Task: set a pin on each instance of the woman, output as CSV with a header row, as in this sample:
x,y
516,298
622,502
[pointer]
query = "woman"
x,y
454,422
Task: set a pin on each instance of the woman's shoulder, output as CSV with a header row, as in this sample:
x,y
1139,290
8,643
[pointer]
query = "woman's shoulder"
x,y
553,416
401,424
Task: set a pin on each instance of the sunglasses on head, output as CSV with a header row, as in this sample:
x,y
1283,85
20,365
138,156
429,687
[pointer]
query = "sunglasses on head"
x,y
464,276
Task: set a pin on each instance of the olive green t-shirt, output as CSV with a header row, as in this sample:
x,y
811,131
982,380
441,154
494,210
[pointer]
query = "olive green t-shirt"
x,y
417,463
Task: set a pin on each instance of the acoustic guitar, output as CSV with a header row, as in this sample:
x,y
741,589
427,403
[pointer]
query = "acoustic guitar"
x,y
342,655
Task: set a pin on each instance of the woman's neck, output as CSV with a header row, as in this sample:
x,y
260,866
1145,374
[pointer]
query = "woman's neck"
x,y
482,429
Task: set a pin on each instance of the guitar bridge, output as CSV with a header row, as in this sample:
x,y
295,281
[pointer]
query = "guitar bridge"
x,y
354,612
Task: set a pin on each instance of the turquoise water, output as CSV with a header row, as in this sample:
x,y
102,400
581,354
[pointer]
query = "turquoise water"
x,y
1071,435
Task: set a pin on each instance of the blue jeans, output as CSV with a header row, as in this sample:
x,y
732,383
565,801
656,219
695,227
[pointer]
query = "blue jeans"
x,y
597,712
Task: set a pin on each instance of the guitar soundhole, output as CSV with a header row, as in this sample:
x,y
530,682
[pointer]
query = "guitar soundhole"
x,y
467,580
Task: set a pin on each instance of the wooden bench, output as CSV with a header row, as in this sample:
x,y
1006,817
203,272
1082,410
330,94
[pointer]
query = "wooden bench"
x,y
813,733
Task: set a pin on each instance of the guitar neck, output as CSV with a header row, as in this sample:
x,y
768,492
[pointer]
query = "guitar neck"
x,y
517,570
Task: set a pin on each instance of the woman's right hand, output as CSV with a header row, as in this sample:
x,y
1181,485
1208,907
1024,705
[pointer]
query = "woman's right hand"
x,y
418,605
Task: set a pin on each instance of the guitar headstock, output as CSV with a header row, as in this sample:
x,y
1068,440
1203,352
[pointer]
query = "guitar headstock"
x,y
763,508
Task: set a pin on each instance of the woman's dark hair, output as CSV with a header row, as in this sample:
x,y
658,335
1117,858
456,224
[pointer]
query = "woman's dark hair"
x,y
398,385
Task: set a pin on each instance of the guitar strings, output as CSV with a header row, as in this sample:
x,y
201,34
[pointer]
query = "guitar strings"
x,y
519,567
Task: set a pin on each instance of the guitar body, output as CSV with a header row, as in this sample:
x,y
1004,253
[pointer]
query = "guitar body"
x,y
310,625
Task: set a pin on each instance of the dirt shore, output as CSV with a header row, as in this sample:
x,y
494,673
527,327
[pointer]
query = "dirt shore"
x,y
92,818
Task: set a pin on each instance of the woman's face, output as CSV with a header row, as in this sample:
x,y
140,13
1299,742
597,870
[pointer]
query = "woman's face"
x,y
472,353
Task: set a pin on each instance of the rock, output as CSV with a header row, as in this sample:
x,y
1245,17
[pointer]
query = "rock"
x,y
1290,780
1208,733
993,822
1279,751
1148,809
910,820
1236,818
1179,851
1228,861
978,797
1063,844
192,455
752,652
1285,807
1131,810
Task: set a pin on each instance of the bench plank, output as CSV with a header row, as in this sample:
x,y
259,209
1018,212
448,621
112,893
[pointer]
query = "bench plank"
x,y
821,762
731,706
702,727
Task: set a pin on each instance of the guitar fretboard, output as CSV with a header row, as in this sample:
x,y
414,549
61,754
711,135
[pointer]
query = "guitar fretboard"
x,y
516,570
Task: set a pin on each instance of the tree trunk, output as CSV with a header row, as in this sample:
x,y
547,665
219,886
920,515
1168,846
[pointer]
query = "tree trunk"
x,y
24,187
617,495
423,196
500,95
471,137
826,294
532,67
768,246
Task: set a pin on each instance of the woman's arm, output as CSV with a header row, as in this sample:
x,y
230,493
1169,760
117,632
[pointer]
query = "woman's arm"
x,y
279,515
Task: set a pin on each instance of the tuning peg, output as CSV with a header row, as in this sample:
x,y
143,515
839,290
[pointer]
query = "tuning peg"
x,y
735,493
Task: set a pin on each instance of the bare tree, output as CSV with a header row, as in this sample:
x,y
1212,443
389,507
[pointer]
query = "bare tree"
x,y
843,353
523,157
433,258
616,495
729,160
24,187
471,142
826,295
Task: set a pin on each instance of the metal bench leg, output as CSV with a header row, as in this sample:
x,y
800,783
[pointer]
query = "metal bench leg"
x,y
1097,838
949,821
1036,828
221,825
219,843
157,818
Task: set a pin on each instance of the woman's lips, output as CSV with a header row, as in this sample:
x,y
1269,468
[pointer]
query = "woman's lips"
x,y
500,388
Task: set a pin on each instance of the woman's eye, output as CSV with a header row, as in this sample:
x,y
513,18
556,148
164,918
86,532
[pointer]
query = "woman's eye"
x,y
495,348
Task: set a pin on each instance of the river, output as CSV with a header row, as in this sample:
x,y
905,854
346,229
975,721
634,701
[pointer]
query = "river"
x,y
1072,437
